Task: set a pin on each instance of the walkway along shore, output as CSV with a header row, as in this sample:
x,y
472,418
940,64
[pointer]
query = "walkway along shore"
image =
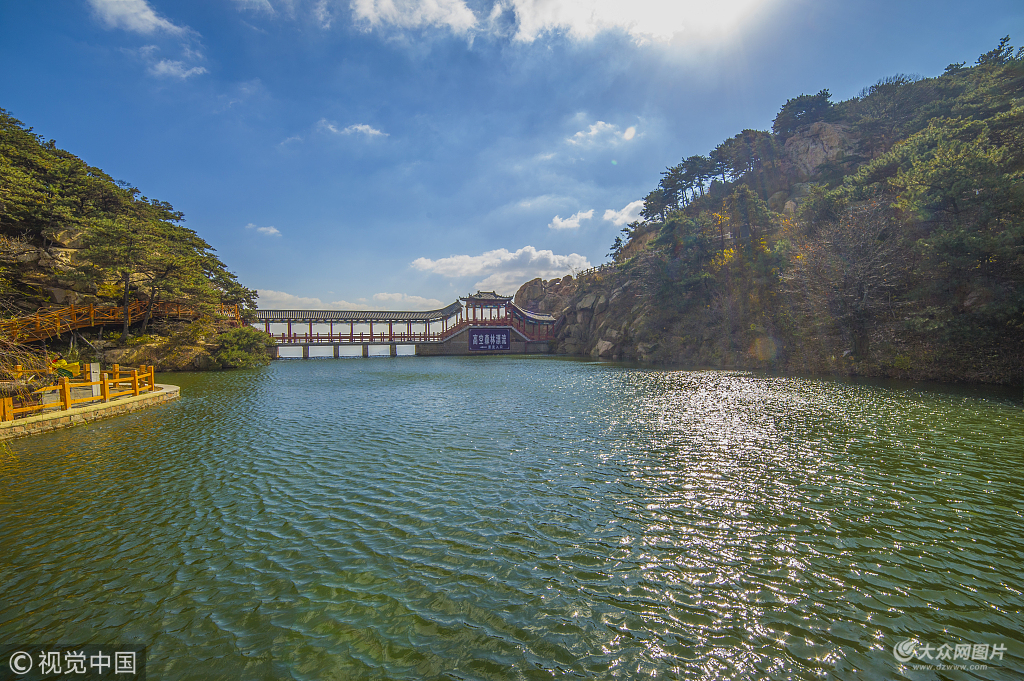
x,y
70,403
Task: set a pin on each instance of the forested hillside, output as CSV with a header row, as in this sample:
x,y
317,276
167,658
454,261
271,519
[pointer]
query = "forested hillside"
x,y
71,234
881,235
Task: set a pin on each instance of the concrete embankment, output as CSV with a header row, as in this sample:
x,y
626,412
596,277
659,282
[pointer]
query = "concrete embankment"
x,y
53,420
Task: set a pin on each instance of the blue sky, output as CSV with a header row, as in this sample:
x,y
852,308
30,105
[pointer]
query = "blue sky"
x,y
395,154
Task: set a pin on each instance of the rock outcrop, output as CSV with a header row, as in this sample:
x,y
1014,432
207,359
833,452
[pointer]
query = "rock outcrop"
x,y
44,275
612,316
596,316
815,145
164,356
548,297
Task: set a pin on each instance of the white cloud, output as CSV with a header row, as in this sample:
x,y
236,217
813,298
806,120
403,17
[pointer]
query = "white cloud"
x,y
572,222
505,270
256,5
644,20
279,300
174,69
540,202
528,20
322,15
324,125
363,129
628,214
601,133
245,92
269,231
414,14
133,15
404,301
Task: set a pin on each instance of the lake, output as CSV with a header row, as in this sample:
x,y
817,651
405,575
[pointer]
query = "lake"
x,y
527,518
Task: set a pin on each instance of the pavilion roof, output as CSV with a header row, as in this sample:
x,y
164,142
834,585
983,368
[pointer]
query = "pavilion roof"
x,y
487,296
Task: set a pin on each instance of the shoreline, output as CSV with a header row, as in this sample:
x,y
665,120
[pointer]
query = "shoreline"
x,y
57,419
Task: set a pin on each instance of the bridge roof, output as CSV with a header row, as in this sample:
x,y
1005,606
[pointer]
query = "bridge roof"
x,y
356,316
536,317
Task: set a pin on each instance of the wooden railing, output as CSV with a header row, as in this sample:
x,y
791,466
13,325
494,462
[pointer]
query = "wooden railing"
x,y
594,270
540,332
358,337
112,385
19,371
55,321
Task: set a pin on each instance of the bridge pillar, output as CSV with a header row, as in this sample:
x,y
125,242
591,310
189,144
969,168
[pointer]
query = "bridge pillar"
x,y
366,349
305,351
394,350
275,352
336,351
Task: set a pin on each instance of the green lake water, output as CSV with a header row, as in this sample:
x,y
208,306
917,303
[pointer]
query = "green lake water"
x,y
525,518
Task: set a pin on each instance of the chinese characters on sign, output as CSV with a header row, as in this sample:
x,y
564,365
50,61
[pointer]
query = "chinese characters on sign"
x,y
490,339
31,662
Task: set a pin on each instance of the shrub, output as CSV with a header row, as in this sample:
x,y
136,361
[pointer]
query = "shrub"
x,y
139,340
243,347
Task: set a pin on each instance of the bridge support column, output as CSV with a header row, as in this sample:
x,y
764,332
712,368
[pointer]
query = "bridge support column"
x,y
275,352
366,349
305,351
337,348
394,350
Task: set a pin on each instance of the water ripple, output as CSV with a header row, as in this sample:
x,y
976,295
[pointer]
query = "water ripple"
x,y
501,518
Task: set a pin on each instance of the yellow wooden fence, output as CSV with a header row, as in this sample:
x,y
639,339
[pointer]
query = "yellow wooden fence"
x,y
116,383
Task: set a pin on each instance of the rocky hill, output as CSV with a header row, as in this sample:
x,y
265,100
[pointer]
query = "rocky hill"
x,y
70,234
880,236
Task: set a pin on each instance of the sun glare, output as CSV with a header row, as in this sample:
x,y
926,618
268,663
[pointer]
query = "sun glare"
x,y
645,20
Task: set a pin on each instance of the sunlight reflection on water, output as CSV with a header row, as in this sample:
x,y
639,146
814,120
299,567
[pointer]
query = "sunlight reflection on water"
x,y
521,518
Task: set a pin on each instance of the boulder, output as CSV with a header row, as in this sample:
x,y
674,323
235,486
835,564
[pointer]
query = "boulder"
x,y
604,348
117,355
587,302
66,237
62,296
777,201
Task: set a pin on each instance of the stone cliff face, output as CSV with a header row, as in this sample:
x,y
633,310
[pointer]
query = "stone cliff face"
x,y
44,274
598,316
548,297
605,315
815,145
806,154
